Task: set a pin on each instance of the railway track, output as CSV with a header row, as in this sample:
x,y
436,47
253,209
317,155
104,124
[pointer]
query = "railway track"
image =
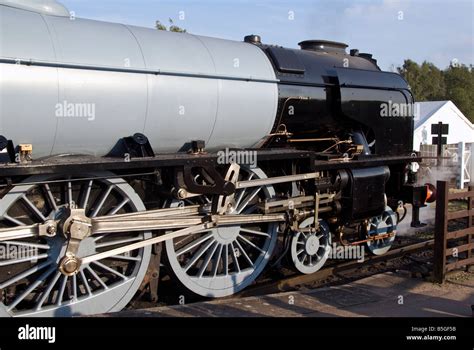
x,y
337,269
334,273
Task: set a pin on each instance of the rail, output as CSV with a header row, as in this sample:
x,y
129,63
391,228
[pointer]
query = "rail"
x,y
291,282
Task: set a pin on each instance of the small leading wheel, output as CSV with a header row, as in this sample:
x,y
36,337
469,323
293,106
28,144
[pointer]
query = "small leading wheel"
x,y
385,224
222,261
310,250
30,281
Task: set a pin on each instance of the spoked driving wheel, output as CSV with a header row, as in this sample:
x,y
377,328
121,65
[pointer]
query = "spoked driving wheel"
x,y
383,225
30,280
310,250
222,261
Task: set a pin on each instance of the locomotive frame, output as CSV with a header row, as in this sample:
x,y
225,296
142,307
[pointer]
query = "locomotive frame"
x,y
288,212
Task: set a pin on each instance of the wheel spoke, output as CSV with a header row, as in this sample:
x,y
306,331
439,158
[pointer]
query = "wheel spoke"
x,y
243,191
245,253
15,221
105,267
126,258
207,259
18,261
48,290
217,260
102,201
194,244
32,287
118,207
234,257
62,288
240,197
255,232
50,197
319,256
86,284
69,192
24,274
251,244
226,260
28,244
33,207
250,209
97,278
85,199
74,287
197,255
248,200
305,256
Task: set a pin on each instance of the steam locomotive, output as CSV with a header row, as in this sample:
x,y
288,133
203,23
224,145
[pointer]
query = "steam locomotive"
x,y
127,150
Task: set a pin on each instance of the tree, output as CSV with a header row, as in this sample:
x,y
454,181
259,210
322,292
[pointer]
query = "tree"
x,y
460,88
412,73
172,27
433,83
429,83
160,26
426,81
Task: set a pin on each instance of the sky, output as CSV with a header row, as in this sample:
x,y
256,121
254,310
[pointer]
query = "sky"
x,y
392,30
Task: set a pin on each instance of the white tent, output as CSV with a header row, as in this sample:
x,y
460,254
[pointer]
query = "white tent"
x,y
428,113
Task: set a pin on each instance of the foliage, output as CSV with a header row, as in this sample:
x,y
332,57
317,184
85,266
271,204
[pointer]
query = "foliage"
x,y
429,83
172,27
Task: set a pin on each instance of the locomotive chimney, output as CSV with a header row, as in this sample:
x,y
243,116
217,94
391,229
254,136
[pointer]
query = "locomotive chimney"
x,y
323,46
253,39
